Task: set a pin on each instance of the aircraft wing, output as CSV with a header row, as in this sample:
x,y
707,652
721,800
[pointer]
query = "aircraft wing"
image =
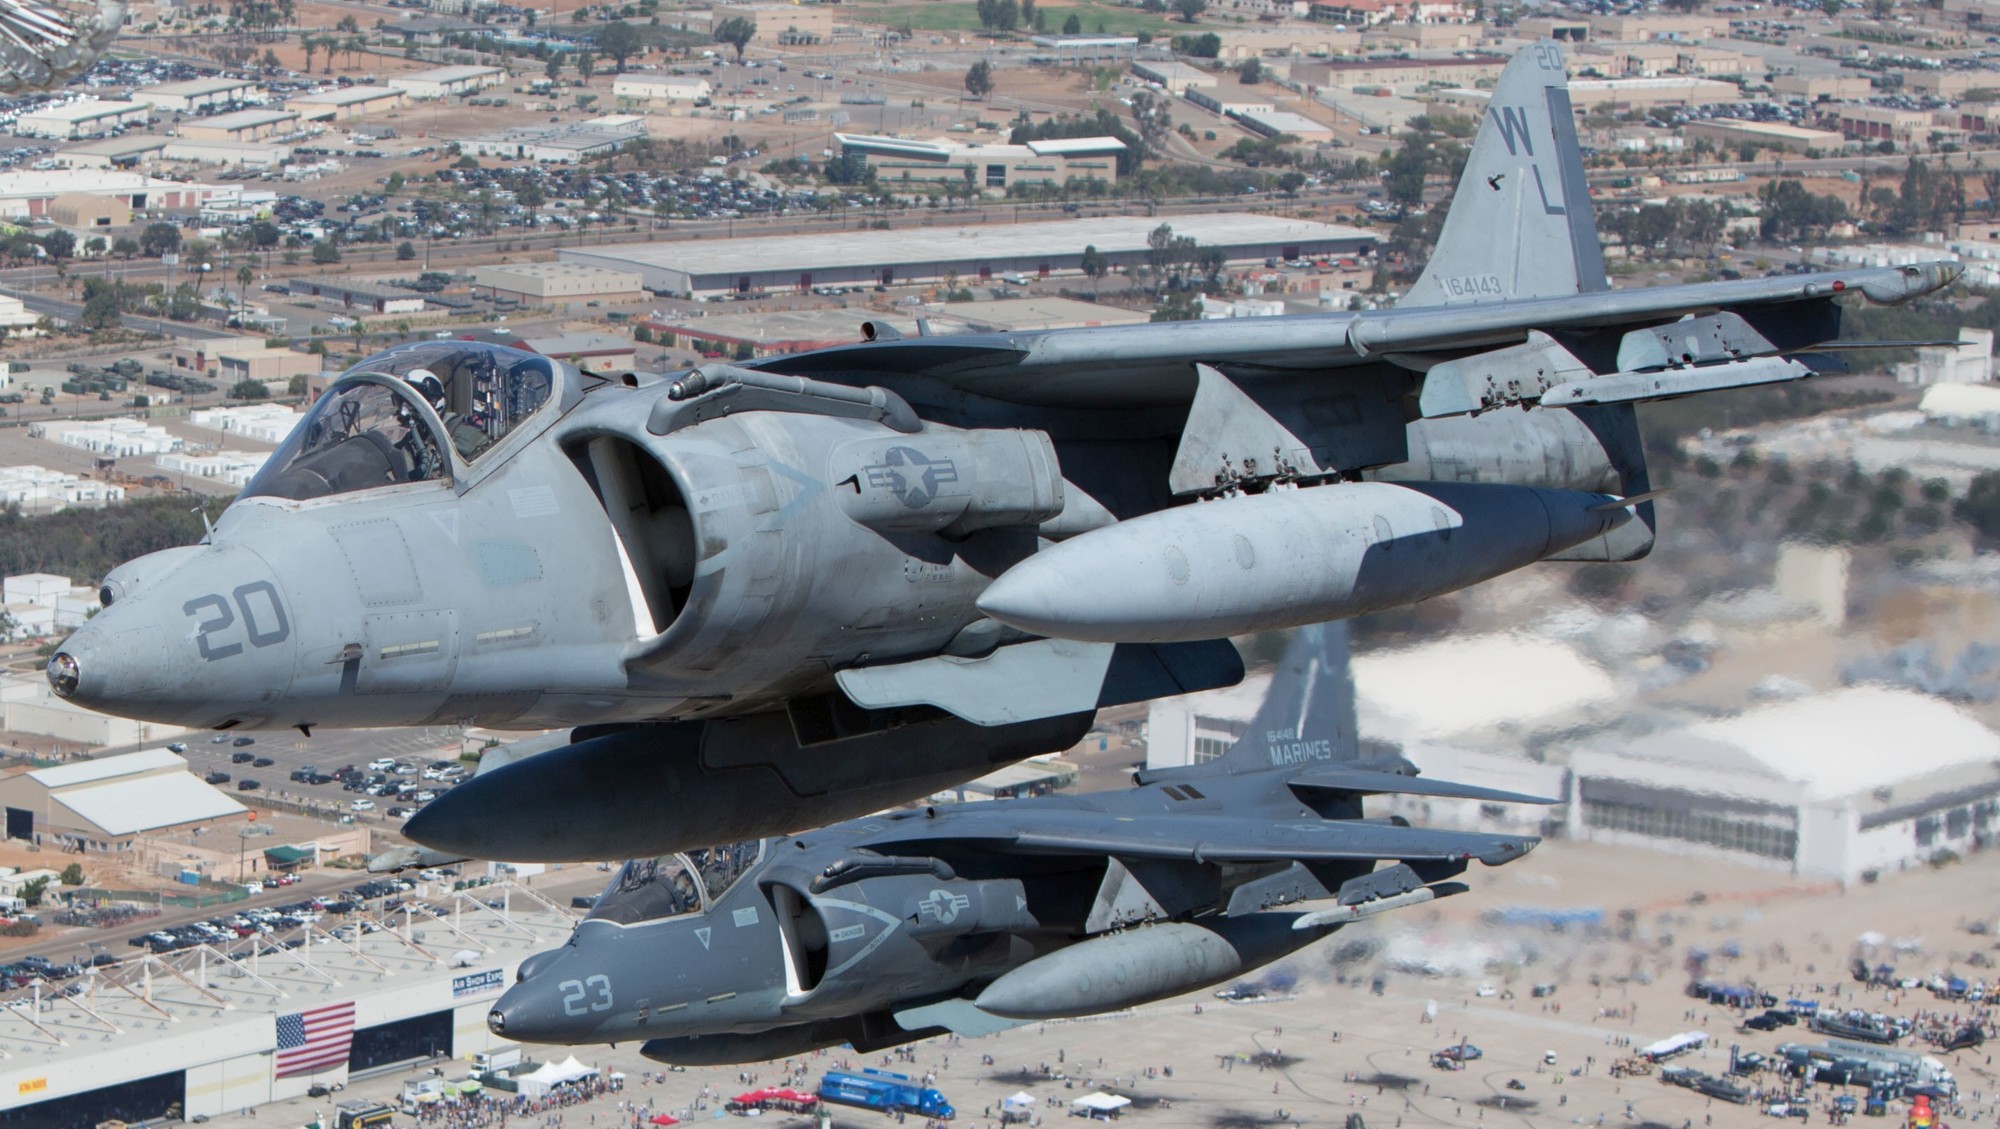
x,y
1190,838
1123,366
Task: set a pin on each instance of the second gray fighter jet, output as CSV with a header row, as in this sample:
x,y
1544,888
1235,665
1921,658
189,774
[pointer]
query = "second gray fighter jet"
x,y
974,917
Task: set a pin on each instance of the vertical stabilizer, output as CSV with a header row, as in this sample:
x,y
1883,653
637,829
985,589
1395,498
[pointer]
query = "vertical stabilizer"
x,y
1308,713
1520,224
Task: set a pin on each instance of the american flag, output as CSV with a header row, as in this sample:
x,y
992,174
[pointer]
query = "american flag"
x,y
311,1041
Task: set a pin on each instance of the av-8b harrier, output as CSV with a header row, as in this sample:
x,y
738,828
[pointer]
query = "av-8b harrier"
x,y
974,917
779,595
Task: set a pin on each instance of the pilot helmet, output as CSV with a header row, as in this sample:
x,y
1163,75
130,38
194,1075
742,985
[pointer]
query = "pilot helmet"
x,y
427,385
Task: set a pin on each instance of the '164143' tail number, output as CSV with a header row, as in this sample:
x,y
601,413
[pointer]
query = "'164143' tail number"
x,y
1474,285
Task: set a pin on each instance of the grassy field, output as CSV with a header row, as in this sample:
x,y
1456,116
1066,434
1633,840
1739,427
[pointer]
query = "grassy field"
x,y
954,15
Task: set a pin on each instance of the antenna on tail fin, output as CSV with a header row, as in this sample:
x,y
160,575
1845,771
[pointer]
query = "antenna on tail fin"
x,y
1520,224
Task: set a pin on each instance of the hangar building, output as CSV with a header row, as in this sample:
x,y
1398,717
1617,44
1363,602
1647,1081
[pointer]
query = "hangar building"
x,y
88,118
928,255
105,804
1843,785
199,95
345,103
564,285
443,82
216,1030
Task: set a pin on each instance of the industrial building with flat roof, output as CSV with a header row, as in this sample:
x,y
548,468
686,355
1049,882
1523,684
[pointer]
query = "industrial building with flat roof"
x,y
355,293
29,192
87,118
560,144
444,82
113,152
636,91
928,255
104,805
251,154
563,285
241,125
345,103
1731,134
1841,785
198,94
993,167
202,1032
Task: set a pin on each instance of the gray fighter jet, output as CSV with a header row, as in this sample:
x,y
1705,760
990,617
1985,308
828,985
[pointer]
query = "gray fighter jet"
x,y
974,917
776,596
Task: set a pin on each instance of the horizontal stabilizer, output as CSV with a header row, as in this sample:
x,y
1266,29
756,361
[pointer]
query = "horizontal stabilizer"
x,y
1367,783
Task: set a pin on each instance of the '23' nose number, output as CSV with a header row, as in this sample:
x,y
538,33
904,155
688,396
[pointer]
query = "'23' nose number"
x,y
590,994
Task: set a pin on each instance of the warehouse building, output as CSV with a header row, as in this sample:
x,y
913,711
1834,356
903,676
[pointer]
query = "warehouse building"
x,y
345,103
1731,134
88,118
200,95
105,805
1845,785
589,352
984,252
562,285
446,82
560,144
241,125
992,167
82,212
656,91
362,294
172,1033
248,154
1175,78
113,152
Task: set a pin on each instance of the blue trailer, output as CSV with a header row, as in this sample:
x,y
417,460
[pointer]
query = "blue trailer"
x,y
884,1090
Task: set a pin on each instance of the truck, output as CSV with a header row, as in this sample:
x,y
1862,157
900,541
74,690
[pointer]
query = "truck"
x,y
362,1115
886,1091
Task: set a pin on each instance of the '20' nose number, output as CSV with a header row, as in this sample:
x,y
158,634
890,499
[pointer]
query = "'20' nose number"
x,y
263,616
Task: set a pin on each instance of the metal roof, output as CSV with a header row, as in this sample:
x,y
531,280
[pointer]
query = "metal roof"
x,y
244,119
346,95
196,87
446,74
144,803
107,768
920,245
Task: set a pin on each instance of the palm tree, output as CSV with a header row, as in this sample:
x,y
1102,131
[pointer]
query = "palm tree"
x,y
310,42
243,276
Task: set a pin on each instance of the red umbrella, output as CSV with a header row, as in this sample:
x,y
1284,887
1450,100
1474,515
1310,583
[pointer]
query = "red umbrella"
x,y
665,1119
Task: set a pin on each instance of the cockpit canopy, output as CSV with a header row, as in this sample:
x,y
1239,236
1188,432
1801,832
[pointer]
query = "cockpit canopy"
x,y
653,889
401,415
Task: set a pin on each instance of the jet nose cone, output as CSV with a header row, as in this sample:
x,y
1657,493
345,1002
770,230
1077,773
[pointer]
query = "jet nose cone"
x,y
64,673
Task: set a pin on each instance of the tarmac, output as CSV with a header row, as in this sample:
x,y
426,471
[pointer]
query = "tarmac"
x,y
1353,1032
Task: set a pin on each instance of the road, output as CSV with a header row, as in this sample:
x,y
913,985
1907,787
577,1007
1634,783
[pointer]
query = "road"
x,y
63,309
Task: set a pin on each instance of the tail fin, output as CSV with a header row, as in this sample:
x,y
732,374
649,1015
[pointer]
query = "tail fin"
x,y
1520,224
1308,713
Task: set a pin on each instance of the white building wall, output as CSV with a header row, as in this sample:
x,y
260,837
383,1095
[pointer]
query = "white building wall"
x,y
229,1085
1169,736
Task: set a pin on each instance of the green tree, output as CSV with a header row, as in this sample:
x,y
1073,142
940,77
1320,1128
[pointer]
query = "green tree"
x,y
324,252
1190,10
59,244
124,246
160,239
1980,508
100,309
1251,72
184,303
737,32
395,184
1095,266
1073,25
247,389
586,65
405,251
31,892
979,79
619,40
72,875
554,66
